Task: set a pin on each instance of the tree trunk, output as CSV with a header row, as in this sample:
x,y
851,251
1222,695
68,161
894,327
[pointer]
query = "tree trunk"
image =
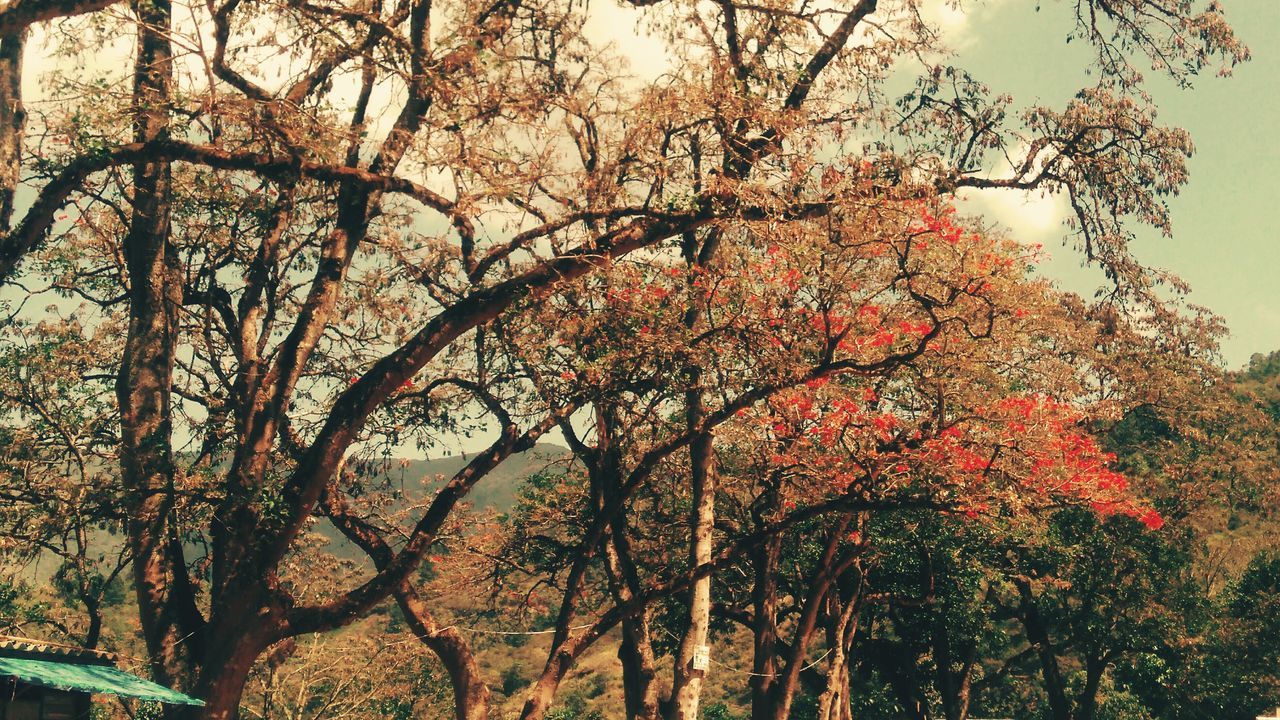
x,y
470,693
639,669
953,684
12,121
687,686
232,651
764,602
144,385
833,703
635,651
829,569
1038,635
565,648
539,700
1087,702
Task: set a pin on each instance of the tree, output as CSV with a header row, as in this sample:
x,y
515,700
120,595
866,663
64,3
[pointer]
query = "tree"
x,y
59,451
289,266
1100,593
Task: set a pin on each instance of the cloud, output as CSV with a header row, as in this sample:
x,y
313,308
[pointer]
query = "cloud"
x,y
609,22
1030,216
955,19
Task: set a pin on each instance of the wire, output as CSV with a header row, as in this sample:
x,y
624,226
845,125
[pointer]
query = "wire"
x,y
515,632
750,673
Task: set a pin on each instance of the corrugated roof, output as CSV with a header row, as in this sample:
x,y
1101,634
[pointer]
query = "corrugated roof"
x,y
14,647
91,679
66,667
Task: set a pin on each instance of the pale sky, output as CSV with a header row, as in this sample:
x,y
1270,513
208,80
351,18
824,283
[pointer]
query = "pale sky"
x,y
1224,243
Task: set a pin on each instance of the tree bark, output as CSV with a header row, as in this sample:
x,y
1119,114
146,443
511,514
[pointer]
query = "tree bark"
x,y
764,601
1038,634
470,693
1087,702
144,384
230,656
686,689
19,14
833,703
13,119
565,650
639,669
635,651
829,569
687,686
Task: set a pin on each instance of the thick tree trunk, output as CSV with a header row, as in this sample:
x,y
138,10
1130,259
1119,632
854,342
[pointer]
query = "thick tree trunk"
x,y
144,385
764,602
635,651
12,121
830,568
1087,702
833,703
543,693
565,647
1038,635
639,669
231,654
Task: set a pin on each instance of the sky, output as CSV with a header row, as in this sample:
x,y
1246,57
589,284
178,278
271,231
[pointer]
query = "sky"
x,y
1225,240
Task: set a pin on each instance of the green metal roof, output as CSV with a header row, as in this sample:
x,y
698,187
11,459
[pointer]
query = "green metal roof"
x,y
90,678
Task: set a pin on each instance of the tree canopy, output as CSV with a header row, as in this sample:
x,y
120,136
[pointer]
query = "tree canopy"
x,y
281,245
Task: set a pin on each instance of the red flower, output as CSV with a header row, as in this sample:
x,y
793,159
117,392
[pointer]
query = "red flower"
x,y
882,338
1152,520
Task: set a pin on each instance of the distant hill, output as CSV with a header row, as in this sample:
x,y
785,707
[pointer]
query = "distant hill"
x,y
497,490
1261,381
420,479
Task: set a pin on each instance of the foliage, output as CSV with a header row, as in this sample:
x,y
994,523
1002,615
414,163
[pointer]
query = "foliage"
x,y
291,242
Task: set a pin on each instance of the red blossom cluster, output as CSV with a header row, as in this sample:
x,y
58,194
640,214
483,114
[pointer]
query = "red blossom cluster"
x,y
939,224
1031,442
1063,460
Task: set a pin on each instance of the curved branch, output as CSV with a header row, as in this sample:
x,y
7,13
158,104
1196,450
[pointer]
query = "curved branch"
x,y
20,14
40,217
